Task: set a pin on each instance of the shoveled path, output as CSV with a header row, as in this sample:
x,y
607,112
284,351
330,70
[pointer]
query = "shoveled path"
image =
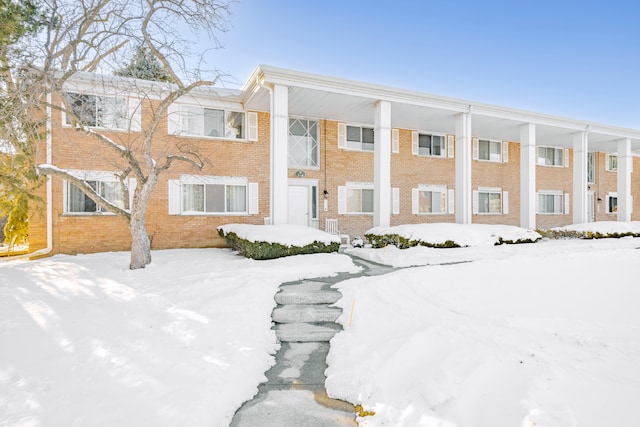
x,y
295,394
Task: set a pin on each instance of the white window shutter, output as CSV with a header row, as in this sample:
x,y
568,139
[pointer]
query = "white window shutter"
x,y
342,200
505,151
476,148
451,202
607,162
415,195
451,146
475,201
414,143
173,119
253,198
395,199
566,203
566,158
135,115
342,135
505,202
395,140
175,193
252,126
133,183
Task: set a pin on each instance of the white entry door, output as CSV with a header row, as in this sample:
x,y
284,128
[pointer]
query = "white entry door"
x,y
591,203
299,205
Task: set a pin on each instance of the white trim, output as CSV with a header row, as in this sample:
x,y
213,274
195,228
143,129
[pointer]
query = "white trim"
x,y
342,135
253,207
451,145
174,192
395,140
395,200
251,118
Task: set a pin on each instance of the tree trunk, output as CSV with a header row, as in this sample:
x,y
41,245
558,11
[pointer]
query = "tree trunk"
x,y
140,244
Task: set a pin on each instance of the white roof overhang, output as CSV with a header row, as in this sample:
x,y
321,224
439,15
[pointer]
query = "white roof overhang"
x,y
323,97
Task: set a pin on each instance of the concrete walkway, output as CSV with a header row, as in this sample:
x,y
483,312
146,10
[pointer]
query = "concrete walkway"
x,y
294,394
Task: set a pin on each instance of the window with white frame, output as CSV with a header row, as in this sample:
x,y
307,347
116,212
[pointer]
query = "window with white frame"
x,y
211,122
611,163
104,183
551,202
490,150
612,203
304,150
591,167
355,198
97,111
549,156
201,195
431,145
490,201
359,138
431,199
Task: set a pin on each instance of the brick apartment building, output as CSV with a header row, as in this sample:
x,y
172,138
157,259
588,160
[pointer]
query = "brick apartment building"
x,y
299,148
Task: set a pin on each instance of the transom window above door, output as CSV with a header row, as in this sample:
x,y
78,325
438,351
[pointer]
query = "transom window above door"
x,y
304,150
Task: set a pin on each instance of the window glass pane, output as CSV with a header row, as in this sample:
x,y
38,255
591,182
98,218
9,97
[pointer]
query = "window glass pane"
x,y
112,192
484,147
353,134
548,156
613,163
314,202
495,203
424,201
77,201
367,200
354,199
495,151
236,198
613,204
558,157
542,153
437,144
214,123
235,125
483,202
591,161
83,107
215,198
424,145
367,139
193,198
297,127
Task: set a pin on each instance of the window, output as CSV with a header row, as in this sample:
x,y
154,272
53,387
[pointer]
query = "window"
x,y
431,145
214,198
359,200
489,200
212,195
490,150
98,111
359,138
303,143
612,163
431,201
550,203
548,156
591,168
78,202
612,203
210,122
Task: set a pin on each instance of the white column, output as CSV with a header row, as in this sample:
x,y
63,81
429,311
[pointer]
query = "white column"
x,y
528,176
463,189
624,179
382,165
580,186
279,154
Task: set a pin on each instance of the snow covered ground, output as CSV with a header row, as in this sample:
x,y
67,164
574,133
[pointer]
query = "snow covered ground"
x,y
84,341
544,334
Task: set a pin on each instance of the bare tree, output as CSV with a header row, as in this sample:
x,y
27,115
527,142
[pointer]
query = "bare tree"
x,y
94,36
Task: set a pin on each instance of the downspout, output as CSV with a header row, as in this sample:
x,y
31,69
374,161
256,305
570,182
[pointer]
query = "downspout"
x,y
271,170
49,187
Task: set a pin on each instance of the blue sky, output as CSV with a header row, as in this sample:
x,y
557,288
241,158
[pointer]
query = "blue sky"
x,y
579,59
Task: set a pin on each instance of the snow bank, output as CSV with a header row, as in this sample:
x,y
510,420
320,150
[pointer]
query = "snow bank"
x,y
603,227
548,338
288,235
184,342
462,234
